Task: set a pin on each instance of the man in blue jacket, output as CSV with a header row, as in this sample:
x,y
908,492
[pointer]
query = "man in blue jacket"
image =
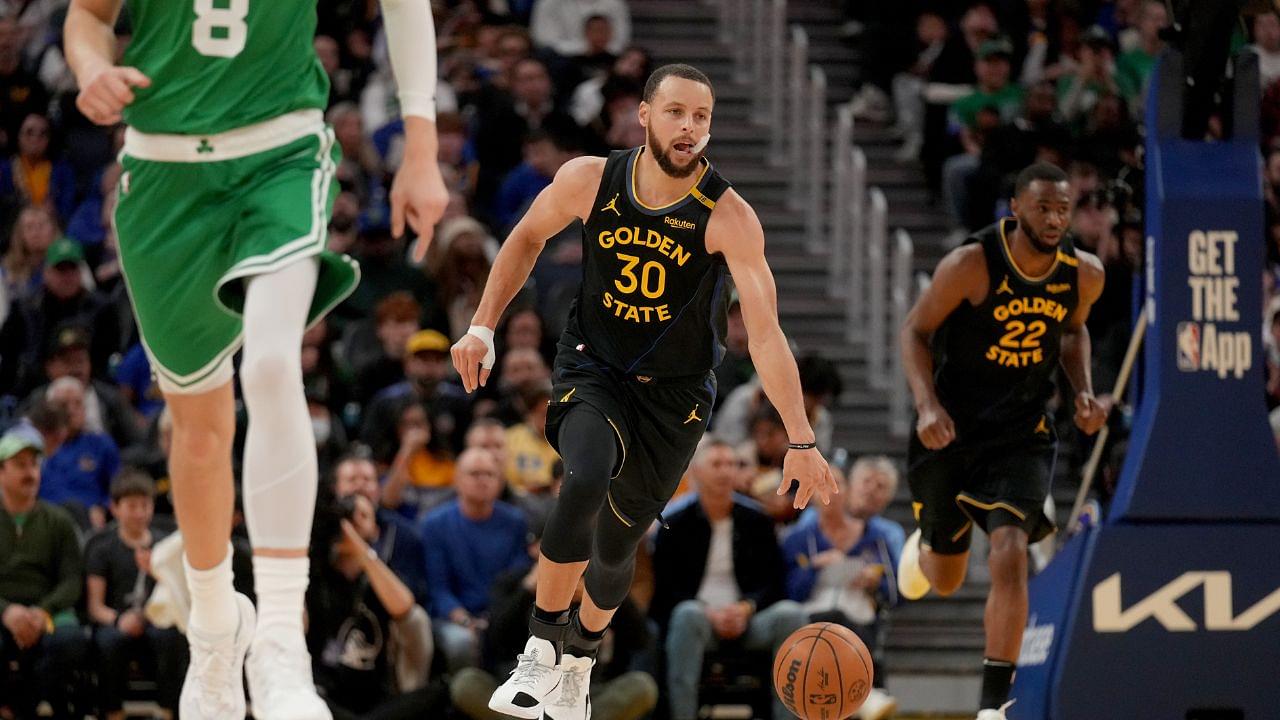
x,y
840,563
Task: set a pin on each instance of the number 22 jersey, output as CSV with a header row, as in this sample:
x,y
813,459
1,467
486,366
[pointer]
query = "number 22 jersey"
x,y
997,359
653,301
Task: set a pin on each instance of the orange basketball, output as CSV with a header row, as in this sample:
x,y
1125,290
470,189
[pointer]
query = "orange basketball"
x,y
823,672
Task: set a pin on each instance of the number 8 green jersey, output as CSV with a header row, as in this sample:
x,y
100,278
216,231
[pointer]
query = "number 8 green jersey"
x,y
216,65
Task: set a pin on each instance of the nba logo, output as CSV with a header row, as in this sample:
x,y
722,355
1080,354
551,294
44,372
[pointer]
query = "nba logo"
x,y
1188,346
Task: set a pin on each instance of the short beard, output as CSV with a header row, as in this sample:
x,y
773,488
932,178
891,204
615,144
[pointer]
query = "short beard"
x,y
1037,244
664,161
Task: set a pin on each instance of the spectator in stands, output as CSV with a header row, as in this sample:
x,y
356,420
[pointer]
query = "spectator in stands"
x,y
819,383
117,562
370,640
21,92
90,224
461,263
519,368
505,119
324,378
421,475
1111,139
1036,29
972,121
361,168
23,264
524,328
618,691
908,85
1266,42
631,67
764,450
78,476
341,80
32,177
426,363
469,542
1093,79
383,269
719,578
558,24
29,330
105,408
1133,68
41,578
950,78
488,433
397,542
396,319
840,559
544,153
529,456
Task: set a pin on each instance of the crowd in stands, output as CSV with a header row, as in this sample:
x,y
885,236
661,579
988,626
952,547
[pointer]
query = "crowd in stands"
x,y
432,501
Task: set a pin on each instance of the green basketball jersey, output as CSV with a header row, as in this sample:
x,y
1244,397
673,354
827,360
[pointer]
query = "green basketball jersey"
x,y
216,65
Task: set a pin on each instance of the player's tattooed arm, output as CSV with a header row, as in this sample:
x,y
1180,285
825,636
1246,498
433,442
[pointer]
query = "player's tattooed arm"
x,y
568,197
1091,412
735,232
89,38
961,276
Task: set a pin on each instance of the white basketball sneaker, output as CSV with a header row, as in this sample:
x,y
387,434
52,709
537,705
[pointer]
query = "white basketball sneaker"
x,y
531,683
572,699
912,583
214,688
280,684
989,714
879,705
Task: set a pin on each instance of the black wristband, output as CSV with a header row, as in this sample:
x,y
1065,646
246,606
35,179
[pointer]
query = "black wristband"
x,y
802,446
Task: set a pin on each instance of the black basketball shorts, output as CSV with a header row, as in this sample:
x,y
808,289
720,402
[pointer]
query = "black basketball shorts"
x,y
989,482
657,423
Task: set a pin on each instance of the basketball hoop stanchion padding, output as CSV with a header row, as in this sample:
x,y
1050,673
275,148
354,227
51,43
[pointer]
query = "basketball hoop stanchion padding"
x,y
1170,609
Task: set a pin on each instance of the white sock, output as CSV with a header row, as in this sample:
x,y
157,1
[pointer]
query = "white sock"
x,y
281,586
213,598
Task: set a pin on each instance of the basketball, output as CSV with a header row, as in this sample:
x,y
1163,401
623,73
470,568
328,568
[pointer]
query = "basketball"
x,y
823,672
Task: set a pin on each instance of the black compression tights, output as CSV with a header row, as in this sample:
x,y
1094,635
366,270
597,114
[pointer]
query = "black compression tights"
x,y
577,529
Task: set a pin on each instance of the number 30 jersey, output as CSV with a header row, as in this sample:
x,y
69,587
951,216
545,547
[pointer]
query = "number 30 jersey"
x,y
997,360
216,65
653,301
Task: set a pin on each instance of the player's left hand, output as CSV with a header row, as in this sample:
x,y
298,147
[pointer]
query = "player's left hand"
x,y
810,470
1092,412
418,195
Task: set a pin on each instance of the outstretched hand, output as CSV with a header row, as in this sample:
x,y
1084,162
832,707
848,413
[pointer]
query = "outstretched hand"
x,y
810,470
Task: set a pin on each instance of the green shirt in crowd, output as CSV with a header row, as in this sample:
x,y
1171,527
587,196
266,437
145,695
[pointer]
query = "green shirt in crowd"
x,y
40,563
1007,101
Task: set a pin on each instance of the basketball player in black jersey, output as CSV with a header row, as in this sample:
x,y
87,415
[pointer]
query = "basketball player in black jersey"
x,y
633,375
1003,311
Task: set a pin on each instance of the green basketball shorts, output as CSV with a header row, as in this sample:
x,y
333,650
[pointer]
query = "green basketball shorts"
x,y
200,215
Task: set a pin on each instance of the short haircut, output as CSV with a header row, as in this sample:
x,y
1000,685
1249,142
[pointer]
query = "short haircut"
x,y
680,70
397,307
708,443
819,376
768,414
47,417
877,463
1038,171
132,482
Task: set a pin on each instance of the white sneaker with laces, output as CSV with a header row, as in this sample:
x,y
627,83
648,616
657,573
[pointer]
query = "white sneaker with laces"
x,y
572,699
534,679
990,714
214,688
912,583
280,684
879,705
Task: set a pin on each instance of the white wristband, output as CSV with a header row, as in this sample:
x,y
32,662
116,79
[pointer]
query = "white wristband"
x,y
486,336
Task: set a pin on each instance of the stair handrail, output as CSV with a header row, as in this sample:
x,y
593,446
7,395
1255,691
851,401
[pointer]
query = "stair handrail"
x,y
815,165
854,274
797,78
777,51
738,40
877,249
838,224
902,295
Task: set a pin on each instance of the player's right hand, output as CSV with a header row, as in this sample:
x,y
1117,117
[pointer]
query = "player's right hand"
x,y
469,355
935,428
103,98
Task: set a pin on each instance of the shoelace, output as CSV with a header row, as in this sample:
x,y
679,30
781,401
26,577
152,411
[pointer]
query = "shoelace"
x,y
528,670
213,668
570,686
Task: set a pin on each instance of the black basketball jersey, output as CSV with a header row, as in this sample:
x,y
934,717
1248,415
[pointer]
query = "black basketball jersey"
x,y
997,360
653,301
